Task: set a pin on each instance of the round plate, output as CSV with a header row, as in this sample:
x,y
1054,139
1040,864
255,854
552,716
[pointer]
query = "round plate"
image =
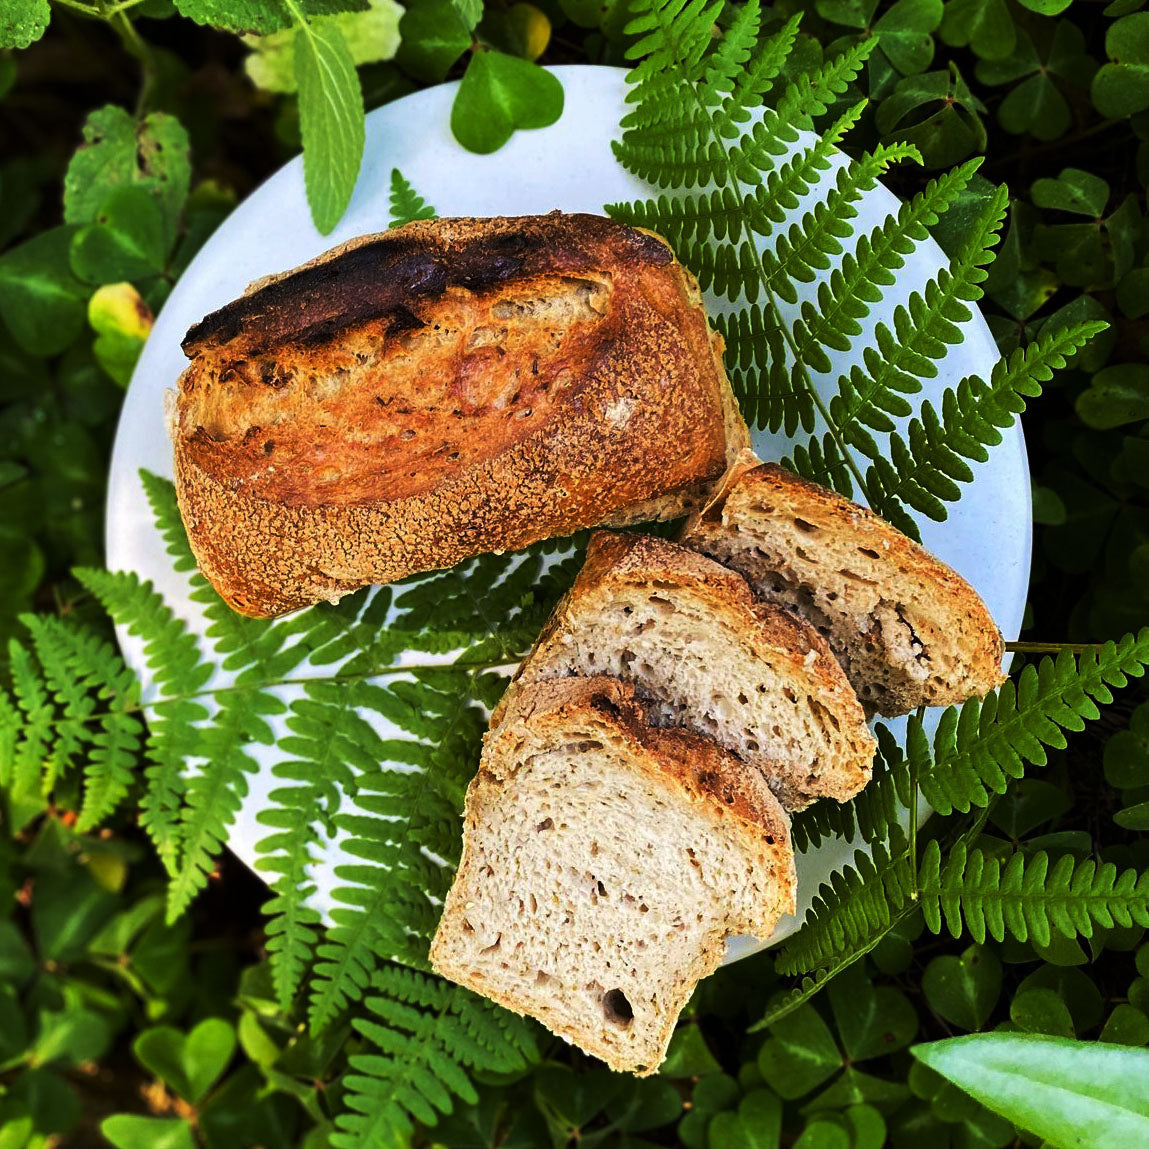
x,y
569,166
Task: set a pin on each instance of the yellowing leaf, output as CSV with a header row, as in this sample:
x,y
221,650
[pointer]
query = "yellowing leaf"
x,y
370,36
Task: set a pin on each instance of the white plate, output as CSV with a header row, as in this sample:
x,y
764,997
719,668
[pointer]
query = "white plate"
x,y
570,166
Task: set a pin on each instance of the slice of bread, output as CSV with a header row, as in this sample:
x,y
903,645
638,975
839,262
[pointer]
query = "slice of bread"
x,y
604,864
907,629
704,654
447,389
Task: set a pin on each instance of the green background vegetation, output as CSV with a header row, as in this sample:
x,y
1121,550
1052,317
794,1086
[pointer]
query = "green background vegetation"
x,y
172,1034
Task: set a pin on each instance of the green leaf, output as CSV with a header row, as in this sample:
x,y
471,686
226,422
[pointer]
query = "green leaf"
x,y
871,1022
125,241
757,1123
1075,191
1116,396
1133,293
499,95
799,1054
41,300
371,35
1041,1011
433,36
867,1127
240,16
938,114
16,962
688,1055
985,25
1121,87
965,989
127,1131
1075,1094
13,1031
407,205
1126,1025
22,22
117,151
331,120
71,1036
189,1064
823,1134
1046,7
903,33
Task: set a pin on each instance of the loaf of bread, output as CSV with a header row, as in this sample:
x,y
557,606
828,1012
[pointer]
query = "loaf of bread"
x,y
604,864
906,628
449,388
703,653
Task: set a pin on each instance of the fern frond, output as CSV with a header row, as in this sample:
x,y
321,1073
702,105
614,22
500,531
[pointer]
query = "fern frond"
x,y
328,744
870,815
399,811
980,747
407,205
811,243
756,81
1026,898
179,672
429,1033
854,910
36,714
930,460
83,672
213,795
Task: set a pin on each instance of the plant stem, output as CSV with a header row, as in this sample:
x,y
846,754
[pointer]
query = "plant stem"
x,y
1051,647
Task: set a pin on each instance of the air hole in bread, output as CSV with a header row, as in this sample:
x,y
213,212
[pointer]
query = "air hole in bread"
x,y
663,604
804,526
601,890
617,1009
268,447
546,824
407,435
693,858
742,698
870,554
493,947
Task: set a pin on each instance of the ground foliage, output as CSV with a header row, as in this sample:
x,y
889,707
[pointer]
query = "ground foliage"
x,y
1025,910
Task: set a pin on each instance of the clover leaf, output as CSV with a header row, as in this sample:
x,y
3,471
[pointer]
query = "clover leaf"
x,y
1121,87
500,94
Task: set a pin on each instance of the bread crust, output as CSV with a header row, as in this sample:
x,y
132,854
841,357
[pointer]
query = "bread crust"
x,y
752,484
703,769
618,561
551,713
494,432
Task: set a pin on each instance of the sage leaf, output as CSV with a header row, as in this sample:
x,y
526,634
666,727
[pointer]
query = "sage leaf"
x,y
330,119
500,94
1077,1095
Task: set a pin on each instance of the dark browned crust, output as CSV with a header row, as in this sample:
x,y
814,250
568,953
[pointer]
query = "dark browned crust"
x,y
705,770
951,596
380,276
272,534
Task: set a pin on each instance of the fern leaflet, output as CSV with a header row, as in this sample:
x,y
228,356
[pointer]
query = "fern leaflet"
x,y
1026,897
407,205
428,1033
980,746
